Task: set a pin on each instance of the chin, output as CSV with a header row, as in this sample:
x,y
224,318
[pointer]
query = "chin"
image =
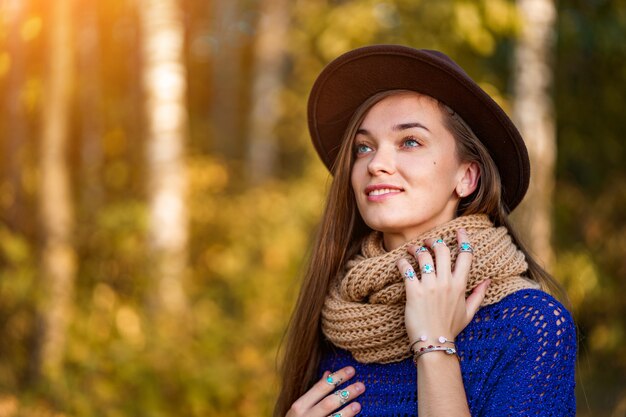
x,y
385,226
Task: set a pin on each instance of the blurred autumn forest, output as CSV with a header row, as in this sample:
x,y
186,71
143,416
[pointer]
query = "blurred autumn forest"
x,y
158,190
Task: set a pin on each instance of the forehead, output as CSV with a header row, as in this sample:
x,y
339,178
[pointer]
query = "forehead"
x,y
404,105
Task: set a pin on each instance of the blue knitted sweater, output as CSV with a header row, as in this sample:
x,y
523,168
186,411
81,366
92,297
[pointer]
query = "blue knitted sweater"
x,y
517,359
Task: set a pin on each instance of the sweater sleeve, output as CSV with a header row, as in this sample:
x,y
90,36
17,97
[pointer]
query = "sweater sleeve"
x,y
539,379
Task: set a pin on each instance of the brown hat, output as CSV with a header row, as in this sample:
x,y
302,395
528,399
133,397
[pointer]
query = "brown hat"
x,y
355,76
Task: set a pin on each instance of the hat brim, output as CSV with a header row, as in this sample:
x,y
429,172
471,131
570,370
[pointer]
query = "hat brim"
x,y
355,76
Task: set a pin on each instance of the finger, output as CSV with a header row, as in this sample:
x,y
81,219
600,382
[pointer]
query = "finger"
x,y
406,269
442,257
465,256
338,399
323,387
348,411
425,261
476,298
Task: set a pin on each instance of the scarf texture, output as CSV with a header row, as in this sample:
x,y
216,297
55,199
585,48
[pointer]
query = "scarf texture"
x,y
364,309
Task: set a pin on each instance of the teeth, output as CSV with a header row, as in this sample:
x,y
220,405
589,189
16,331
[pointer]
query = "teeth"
x,y
382,191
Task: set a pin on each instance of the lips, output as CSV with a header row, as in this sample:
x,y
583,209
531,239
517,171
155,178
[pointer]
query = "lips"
x,y
382,189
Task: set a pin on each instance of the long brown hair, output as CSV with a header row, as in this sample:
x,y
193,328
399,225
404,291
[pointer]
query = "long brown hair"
x,y
341,230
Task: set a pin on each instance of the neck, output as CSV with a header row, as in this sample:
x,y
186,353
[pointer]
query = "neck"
x,y
393,239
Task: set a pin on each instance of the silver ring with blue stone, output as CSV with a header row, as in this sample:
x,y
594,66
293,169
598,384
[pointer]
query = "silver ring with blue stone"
x,y
466,247
409,274
344,396
330,380
428,269
438,242
421,249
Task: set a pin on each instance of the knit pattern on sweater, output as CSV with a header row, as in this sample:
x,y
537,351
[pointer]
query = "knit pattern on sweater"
x,y
517,359
364,310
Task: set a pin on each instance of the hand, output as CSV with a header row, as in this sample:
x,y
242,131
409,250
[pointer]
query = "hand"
x,y
436,304
323,399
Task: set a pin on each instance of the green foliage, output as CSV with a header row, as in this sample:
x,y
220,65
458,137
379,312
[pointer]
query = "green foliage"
x,y
590,225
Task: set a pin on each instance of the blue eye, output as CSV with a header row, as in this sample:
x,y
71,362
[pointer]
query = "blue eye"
x,y
361,149
411,143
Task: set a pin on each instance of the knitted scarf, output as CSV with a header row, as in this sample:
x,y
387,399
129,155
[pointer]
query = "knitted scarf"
x,y
364,310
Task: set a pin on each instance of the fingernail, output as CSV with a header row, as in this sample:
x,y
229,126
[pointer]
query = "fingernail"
x,y
462,230
349,371
356,407
358,388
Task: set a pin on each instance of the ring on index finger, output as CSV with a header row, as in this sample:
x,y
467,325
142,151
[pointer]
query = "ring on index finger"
x,y
466,247
333,380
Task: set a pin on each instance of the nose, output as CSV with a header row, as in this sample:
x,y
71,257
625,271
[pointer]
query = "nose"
x,y
383,161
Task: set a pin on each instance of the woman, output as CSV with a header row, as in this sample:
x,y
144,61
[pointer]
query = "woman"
x,y
419,298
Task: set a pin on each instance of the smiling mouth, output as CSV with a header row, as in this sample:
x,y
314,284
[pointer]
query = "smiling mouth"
x,y
382,191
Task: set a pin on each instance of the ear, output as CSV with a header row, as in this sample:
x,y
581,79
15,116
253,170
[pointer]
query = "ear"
x,y
469,179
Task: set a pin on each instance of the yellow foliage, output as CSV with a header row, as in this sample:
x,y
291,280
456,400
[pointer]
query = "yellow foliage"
x,y
31,28
13,247
493,91
114,142
501,16
469,26
129,325
104,297
207,174
116,174
606,336
32,93
352,24
577,271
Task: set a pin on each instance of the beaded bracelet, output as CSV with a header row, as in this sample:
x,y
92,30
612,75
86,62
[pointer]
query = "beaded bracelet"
x,y
448,350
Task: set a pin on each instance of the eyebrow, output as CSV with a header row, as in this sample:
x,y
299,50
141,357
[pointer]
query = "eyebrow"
x,y
397,128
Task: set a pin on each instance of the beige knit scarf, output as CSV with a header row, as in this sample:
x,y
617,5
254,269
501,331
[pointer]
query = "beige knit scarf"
x,y
364,310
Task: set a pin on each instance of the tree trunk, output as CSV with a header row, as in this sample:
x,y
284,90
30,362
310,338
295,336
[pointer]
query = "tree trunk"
x,y
90,99
269,55
16,128
534,115
58,260
226,67
164,85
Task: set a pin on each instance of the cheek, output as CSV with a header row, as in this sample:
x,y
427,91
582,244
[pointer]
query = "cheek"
x,y
356,178
446,170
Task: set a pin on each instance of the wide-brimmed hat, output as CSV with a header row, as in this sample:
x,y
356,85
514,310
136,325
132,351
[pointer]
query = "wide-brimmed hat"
x,y
349,80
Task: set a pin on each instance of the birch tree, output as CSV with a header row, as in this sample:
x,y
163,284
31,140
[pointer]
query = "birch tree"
x,y
58,259
164,86
534,114
269,55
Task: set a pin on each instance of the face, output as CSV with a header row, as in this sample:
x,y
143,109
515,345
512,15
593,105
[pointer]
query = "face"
x,y
407,176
